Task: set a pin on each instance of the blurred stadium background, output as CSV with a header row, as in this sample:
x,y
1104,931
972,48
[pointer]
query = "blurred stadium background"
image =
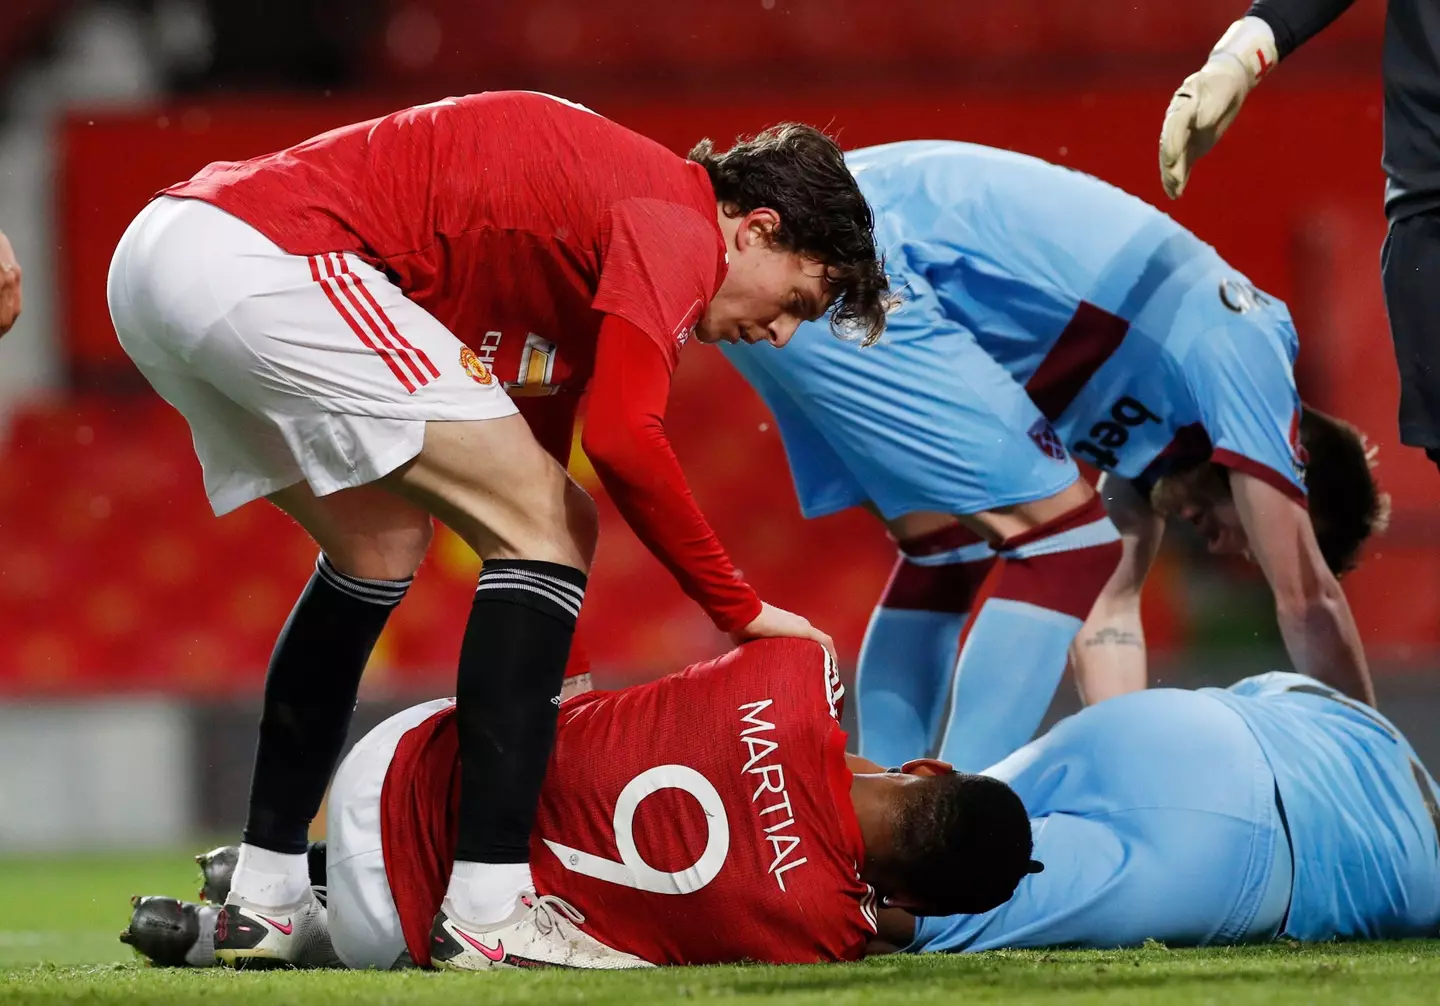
x,y
134,627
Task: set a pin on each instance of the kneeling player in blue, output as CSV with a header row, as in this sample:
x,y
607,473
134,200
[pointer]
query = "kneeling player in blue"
x,y
1276,807
1045,310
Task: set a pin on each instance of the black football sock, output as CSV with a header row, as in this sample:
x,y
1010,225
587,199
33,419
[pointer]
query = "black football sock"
x,y
512,664
310,692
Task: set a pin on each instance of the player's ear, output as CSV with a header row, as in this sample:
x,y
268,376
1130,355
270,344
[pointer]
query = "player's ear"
x,y
927,767
904,903
759,226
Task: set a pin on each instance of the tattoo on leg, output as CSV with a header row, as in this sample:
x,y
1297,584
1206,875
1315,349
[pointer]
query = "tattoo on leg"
x,y
1114,637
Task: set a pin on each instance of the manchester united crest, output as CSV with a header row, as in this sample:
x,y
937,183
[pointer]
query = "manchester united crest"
x,y
477,371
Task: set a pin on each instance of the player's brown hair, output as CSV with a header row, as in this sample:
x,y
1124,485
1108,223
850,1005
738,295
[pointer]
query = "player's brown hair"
x,y
1346,504
800,173
961,843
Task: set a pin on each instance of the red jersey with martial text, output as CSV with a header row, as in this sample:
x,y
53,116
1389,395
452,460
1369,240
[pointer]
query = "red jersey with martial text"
x,y
701,818
516,218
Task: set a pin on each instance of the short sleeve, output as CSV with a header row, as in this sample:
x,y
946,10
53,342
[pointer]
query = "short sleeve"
x,y
1243,381
659,270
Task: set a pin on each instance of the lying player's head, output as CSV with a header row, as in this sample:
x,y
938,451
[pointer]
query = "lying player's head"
x,y
800,238
1346,505
948,843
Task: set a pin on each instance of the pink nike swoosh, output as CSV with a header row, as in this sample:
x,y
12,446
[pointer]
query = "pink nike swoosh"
x,y
285,930
497,955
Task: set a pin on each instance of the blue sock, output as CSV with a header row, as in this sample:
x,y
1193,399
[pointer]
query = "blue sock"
x,y
902,682
1009,667
1014,649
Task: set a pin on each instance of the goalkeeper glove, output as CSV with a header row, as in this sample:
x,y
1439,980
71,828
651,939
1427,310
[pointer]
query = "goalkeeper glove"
x,y
1209,99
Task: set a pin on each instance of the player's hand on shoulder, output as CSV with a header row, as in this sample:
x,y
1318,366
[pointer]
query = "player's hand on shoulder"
x,y
1208,101
10,302
773,622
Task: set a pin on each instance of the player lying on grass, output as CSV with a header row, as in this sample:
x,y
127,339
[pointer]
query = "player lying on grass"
x,y
1035,295
712,815
1276,807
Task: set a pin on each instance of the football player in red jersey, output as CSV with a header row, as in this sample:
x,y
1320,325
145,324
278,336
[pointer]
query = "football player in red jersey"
x,y
711,816
339,323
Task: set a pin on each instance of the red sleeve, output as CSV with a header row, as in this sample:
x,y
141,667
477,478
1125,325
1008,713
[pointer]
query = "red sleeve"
x,y
662,263
626,442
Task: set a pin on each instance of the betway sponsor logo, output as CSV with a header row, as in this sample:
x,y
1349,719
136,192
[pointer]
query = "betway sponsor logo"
x,y
1109,435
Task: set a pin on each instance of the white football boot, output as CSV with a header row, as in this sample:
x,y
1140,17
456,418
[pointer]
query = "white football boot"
x,y
294,936
542,932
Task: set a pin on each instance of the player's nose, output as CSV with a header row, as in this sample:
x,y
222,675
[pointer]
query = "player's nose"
x,y
781,330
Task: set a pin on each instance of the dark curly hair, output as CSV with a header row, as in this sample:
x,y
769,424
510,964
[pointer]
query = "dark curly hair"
x,y
1346,504
800,173
962,843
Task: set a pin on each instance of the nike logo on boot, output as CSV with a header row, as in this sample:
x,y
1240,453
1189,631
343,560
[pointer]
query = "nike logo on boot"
x,y
497,955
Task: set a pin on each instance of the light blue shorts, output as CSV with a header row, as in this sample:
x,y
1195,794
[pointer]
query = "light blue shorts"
x,y
922,421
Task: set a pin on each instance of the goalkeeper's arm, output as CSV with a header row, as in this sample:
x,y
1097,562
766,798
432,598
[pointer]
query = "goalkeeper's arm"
x,y
1209,99
1293,22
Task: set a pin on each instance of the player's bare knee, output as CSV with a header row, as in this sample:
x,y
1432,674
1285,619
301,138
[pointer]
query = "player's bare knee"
x,y
393,553
366,532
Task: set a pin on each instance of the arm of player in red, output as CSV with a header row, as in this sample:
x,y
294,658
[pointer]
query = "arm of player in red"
x,y
625,440
1314,616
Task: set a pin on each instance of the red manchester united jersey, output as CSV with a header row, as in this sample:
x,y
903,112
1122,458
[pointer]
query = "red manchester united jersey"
x,y
516,218
701,818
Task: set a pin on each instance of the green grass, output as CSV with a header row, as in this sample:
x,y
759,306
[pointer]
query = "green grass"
x,y
59,919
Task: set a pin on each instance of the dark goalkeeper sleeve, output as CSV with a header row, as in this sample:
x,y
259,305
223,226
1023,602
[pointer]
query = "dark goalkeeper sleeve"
x,y
1295,21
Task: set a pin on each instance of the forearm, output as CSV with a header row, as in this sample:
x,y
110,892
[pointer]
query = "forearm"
x,y
664,517
1108,655
626,441
1294,22
1323,642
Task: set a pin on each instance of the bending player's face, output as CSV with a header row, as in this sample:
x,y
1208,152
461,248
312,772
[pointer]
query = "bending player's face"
x,y
768,291
1202,497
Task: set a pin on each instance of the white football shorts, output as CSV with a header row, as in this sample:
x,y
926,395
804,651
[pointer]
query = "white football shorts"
x,y
364,922
287,367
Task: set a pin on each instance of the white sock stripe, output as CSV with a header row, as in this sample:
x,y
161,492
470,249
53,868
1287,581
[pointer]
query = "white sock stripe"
x,y
360,588
384,592
543,578
976,552
324,560
370,587
548,578
559,600
1097,532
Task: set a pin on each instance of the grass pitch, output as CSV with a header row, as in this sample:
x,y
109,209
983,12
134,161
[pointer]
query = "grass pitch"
x,y
59,919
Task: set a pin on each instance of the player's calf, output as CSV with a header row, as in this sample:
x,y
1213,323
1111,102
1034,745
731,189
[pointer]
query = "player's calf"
x,y
536,529
913,639
1013,649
